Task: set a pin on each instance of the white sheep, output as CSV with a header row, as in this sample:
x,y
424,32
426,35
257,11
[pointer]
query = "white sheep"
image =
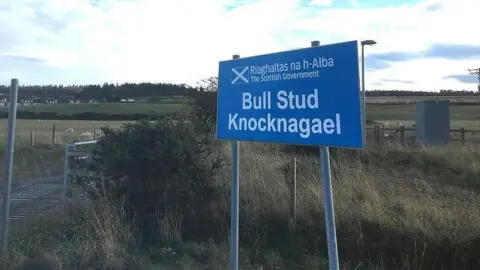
x,y
386,134
86,136
69,130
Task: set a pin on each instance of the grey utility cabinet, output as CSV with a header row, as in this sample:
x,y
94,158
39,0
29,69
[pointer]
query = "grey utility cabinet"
x,y
432,122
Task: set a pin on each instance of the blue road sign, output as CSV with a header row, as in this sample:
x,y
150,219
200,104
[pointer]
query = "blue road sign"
x,y
309,96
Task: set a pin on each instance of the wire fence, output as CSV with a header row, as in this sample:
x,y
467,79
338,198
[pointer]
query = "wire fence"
x,y
376,135
55,136
398,196
406,137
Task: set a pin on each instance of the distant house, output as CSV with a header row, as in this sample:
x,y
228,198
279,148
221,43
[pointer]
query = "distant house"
x,y
127,100
25,101
51,101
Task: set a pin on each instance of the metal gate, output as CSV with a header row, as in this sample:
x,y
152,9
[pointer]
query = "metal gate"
x,y
78,157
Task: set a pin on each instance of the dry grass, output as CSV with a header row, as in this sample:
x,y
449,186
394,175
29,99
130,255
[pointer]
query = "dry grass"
x,y
388,203
396,209
79,238
35,162
97,237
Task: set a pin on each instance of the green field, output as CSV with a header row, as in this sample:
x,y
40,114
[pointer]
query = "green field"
x,y
112,108
379,112
383,112
413,99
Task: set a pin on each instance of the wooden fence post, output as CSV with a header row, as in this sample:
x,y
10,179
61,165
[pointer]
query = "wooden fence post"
x,y
462,136
54,135
32,138
403,136
94,134
381,136
293,198
376,135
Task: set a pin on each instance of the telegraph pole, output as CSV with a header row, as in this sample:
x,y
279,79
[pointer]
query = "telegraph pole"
x,y
476,71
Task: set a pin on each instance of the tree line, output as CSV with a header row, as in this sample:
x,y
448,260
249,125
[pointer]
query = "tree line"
x,y
404,93
109,92
106,92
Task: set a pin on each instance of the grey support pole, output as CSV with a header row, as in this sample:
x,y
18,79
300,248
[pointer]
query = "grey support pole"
x,y
234,219
328,201
364,98
7,185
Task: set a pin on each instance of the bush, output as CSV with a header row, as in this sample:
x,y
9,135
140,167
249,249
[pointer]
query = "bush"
x,y
204,102
155,167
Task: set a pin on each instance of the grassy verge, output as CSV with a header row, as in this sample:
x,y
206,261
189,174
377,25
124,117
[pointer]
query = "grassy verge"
x,y
395,209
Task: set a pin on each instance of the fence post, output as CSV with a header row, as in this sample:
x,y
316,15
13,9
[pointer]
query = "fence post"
x,y
66,174
376,135
94,134
403,136
381,137
54,135
462,136
32,138
293,198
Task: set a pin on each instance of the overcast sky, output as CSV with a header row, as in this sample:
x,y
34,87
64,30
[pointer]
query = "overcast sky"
x,y
422,44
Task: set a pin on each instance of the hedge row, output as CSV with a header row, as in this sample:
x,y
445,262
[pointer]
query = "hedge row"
x,y
82,116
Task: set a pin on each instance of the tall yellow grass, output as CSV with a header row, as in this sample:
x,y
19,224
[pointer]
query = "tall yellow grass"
x,y
395,209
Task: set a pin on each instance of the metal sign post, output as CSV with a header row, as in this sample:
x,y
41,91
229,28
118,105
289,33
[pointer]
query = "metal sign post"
x,y
234,219
7,184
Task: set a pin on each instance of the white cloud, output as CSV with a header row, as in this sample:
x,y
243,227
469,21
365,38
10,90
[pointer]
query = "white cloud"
x,y
321,3
183,40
